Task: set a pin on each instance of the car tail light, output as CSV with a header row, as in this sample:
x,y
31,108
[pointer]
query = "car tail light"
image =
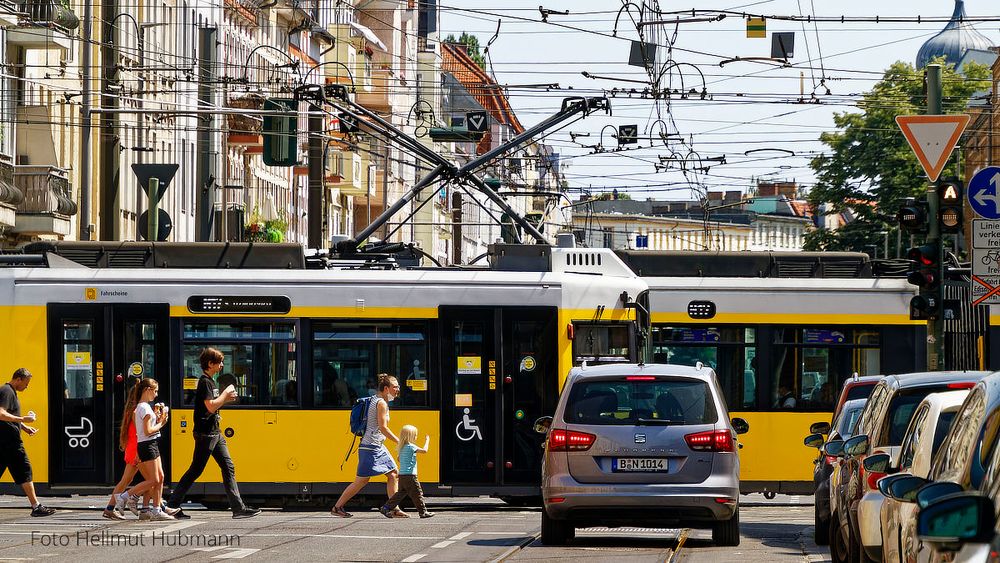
x,y
640,378
830,459
873,479
962,385
711,441
557,499
570,440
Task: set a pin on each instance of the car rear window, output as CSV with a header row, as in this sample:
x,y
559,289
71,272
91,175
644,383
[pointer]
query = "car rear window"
x,y
860,391
658,401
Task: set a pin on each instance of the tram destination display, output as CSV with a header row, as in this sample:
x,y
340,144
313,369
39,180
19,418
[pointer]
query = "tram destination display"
x,y
239,304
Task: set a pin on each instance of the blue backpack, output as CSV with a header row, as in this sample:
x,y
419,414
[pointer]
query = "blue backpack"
x,y
359,423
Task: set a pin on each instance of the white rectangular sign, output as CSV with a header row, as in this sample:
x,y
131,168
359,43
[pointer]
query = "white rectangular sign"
x,y
985,262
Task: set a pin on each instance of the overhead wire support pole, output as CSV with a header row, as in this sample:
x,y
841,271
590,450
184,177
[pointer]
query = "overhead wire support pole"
x,y
935,326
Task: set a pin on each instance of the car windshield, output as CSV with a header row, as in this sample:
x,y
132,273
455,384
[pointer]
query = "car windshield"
x,y
848,419
663,401
901,410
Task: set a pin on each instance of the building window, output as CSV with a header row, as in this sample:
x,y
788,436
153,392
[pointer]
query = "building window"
x,y
609,237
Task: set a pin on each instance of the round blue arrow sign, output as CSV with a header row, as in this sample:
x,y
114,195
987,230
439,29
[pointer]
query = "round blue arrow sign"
x,y
984,193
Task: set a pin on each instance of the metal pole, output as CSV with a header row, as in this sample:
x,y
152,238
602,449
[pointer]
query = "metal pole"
x,y
935,326
153,222
85,165
388,213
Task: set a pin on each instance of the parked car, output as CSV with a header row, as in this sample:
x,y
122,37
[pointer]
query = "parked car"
x,y
843,425
880,430
924,435
964,464
857,387
641,445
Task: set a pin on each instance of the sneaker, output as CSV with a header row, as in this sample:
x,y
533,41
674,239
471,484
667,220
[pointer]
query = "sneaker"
x,y
159,515
247,512
120,501
427,514
133,504
112,514
171,511
41,510
398,513
180,514
385,511
145,516
340,512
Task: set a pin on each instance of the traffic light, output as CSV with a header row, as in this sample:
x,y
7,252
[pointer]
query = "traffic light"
x,y
950,215
925,273
912,216
281,133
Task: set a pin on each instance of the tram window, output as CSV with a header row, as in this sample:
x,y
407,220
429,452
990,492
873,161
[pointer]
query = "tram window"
x,y
601,342
78,348
730,351
808,365
260,360
348,357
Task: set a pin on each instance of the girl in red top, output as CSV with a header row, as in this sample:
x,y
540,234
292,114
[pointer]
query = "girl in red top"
x,y
127,443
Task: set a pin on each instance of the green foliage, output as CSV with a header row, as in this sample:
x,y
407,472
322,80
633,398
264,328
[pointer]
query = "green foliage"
x,y
271,230
472,44
869,168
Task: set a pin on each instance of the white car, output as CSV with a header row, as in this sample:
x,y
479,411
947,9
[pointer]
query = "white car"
x,y
928,427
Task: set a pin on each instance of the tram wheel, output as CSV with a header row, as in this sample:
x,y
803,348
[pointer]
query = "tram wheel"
x,y
769,495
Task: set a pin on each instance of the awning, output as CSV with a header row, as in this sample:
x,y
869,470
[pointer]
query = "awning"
x,y
369,35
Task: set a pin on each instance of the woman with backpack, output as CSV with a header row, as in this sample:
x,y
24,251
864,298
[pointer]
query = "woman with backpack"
x,y
373,457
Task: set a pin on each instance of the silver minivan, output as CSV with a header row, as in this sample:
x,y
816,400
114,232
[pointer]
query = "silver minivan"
x,y
641,445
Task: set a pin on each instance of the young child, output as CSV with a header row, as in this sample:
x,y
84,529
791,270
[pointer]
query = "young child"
x,y
408,483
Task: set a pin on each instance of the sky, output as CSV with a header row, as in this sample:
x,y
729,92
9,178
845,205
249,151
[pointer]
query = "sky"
x,y
750,106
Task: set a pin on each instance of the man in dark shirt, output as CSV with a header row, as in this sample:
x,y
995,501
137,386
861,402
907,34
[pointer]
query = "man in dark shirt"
x,y
12,454
208,441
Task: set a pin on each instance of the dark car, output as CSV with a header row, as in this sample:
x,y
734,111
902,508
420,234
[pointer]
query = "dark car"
x,y
880,429
843,427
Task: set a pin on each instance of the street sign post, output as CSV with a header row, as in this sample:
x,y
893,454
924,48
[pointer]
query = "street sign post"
x,y
984,193
933,138
985,262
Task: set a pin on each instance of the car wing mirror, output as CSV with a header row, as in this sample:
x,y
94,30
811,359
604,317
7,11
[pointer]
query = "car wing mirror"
x,y
877,463
933,491
740,426
857,445
905,488
814,440
834,448
954,519
883,484
542,424
819,428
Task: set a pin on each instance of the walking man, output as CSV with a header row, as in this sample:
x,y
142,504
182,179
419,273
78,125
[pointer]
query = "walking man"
x,y
12,454
208,442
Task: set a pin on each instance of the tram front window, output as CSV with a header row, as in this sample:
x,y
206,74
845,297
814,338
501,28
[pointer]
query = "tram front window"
x,y
348,357
260,360
601,343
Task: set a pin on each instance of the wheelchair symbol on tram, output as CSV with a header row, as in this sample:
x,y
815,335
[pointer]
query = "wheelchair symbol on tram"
x,y
79,436
467,429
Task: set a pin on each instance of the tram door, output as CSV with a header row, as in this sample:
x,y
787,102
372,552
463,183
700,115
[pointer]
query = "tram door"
x,y
96,351
500,373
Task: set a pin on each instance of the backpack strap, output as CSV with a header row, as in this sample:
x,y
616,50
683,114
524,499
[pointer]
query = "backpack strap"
x,y
350,450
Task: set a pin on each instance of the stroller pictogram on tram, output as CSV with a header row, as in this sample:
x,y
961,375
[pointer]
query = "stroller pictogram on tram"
x,y
79,436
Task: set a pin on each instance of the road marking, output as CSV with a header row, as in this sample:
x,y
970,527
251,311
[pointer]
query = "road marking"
x,y
337,536
442,544
460,536
237,553
680,543
414,557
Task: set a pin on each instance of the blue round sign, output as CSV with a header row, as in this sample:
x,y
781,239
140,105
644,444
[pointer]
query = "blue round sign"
x,y
984,193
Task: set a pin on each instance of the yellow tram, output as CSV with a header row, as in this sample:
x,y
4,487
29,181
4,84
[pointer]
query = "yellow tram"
x,y
481,352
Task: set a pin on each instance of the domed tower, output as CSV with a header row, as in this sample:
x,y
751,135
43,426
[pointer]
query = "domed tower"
x,y
954,40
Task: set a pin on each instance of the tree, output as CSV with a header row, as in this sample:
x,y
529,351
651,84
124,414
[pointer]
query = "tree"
x,y
870,169
471,43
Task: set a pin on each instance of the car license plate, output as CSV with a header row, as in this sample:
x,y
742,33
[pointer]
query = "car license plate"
x,y
624,464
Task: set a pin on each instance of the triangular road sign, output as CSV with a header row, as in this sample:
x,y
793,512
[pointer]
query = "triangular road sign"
x,y
162,172
933,138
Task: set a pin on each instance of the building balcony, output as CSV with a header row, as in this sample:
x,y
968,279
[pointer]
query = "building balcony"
x,y
46,24
9,13
379,97
10,196
48,202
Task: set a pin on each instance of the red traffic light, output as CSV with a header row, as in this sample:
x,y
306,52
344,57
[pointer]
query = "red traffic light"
x,y
923,278
925,256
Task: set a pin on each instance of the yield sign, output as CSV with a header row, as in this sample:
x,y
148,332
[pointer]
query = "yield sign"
x,y
933,138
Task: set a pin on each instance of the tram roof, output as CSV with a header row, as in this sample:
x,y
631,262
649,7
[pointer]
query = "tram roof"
x,y
758,264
